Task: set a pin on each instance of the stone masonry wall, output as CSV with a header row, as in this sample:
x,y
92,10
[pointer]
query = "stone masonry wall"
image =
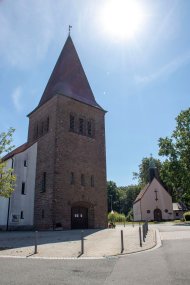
x,y
61,152
43,207
80,154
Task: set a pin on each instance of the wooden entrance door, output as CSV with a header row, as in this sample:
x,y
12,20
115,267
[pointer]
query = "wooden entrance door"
x,y
79,218
157,215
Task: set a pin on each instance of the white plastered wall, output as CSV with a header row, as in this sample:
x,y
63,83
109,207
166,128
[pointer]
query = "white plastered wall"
x,y
19,202
137,211
164,202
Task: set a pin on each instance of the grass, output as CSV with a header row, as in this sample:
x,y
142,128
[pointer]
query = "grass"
x,y
152,222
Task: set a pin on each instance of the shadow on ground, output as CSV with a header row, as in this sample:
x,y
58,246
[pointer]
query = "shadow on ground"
x,y
27,238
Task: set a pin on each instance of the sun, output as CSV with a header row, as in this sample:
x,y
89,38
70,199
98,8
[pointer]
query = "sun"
x,y
122,19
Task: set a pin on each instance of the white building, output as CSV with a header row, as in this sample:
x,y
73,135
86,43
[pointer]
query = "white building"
x,y
153,203
18,210
179,209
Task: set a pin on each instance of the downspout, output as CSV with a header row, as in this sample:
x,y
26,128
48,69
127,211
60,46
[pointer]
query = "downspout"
x,y
9,202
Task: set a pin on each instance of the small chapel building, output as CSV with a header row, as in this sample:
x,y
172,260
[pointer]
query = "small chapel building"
x,y
61,169
153,203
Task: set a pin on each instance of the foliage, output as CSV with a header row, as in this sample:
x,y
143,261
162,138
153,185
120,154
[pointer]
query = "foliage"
x,y
113,198
128,196
114,217
175,171
129,217
143,174
186,216
122,198
7,179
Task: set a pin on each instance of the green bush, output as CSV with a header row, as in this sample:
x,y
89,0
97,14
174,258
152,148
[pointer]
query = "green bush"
x,y
186,216
129,217
116,217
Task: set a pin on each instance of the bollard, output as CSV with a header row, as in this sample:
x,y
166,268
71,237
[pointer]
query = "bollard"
x,y
140,236
36,243
144,235
122,243
146,227
82,242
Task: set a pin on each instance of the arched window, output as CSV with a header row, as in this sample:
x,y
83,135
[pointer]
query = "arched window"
x,y
72,123
47,124
92,180
81,126
72,178
82,180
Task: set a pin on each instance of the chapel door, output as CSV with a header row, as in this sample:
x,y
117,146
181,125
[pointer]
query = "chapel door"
x,y
79,218
157,215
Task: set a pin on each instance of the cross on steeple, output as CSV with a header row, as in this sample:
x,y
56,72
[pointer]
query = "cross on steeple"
x,y
70,27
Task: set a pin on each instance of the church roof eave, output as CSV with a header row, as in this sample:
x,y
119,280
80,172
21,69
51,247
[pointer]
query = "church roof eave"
x,y
97,106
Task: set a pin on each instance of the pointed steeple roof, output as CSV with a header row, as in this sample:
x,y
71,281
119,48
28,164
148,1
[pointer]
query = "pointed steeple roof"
x,y
153,171
68,78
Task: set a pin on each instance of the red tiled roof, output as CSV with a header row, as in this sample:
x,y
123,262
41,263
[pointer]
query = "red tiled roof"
x,y
68,78
17,150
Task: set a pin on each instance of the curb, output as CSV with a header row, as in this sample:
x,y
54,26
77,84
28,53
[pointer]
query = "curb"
x,y
158,243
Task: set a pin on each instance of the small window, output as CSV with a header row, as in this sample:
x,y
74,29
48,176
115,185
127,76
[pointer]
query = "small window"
x,y
25,163
43,214
148,211
23,189
81,126
82,180
22,215
72,123
34,133
37,131
47,124
92,180
166,210
72,178
44,182
177,214
89,128
42,128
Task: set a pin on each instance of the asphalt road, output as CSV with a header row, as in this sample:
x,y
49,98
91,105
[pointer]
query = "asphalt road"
x,y
169,264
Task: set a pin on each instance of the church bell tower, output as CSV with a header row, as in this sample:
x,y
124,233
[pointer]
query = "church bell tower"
x,y
68,125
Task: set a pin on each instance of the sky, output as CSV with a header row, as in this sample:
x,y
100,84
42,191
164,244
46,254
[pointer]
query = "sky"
x,y
136,58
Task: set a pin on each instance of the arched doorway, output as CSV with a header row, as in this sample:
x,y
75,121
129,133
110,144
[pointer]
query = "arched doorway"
x,y
157,215
79,217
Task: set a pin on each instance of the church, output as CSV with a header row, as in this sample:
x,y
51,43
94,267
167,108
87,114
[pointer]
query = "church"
x,y
153,203
61,169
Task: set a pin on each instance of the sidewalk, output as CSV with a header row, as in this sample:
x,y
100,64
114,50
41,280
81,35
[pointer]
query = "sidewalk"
x,y
67,244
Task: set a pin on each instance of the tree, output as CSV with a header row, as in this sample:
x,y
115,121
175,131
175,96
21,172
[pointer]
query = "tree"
x,y
175,170
122,198
131,195
143,174
113,198
7,179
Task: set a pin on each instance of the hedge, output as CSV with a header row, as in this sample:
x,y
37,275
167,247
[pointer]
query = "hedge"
x,y
186,216
116,217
